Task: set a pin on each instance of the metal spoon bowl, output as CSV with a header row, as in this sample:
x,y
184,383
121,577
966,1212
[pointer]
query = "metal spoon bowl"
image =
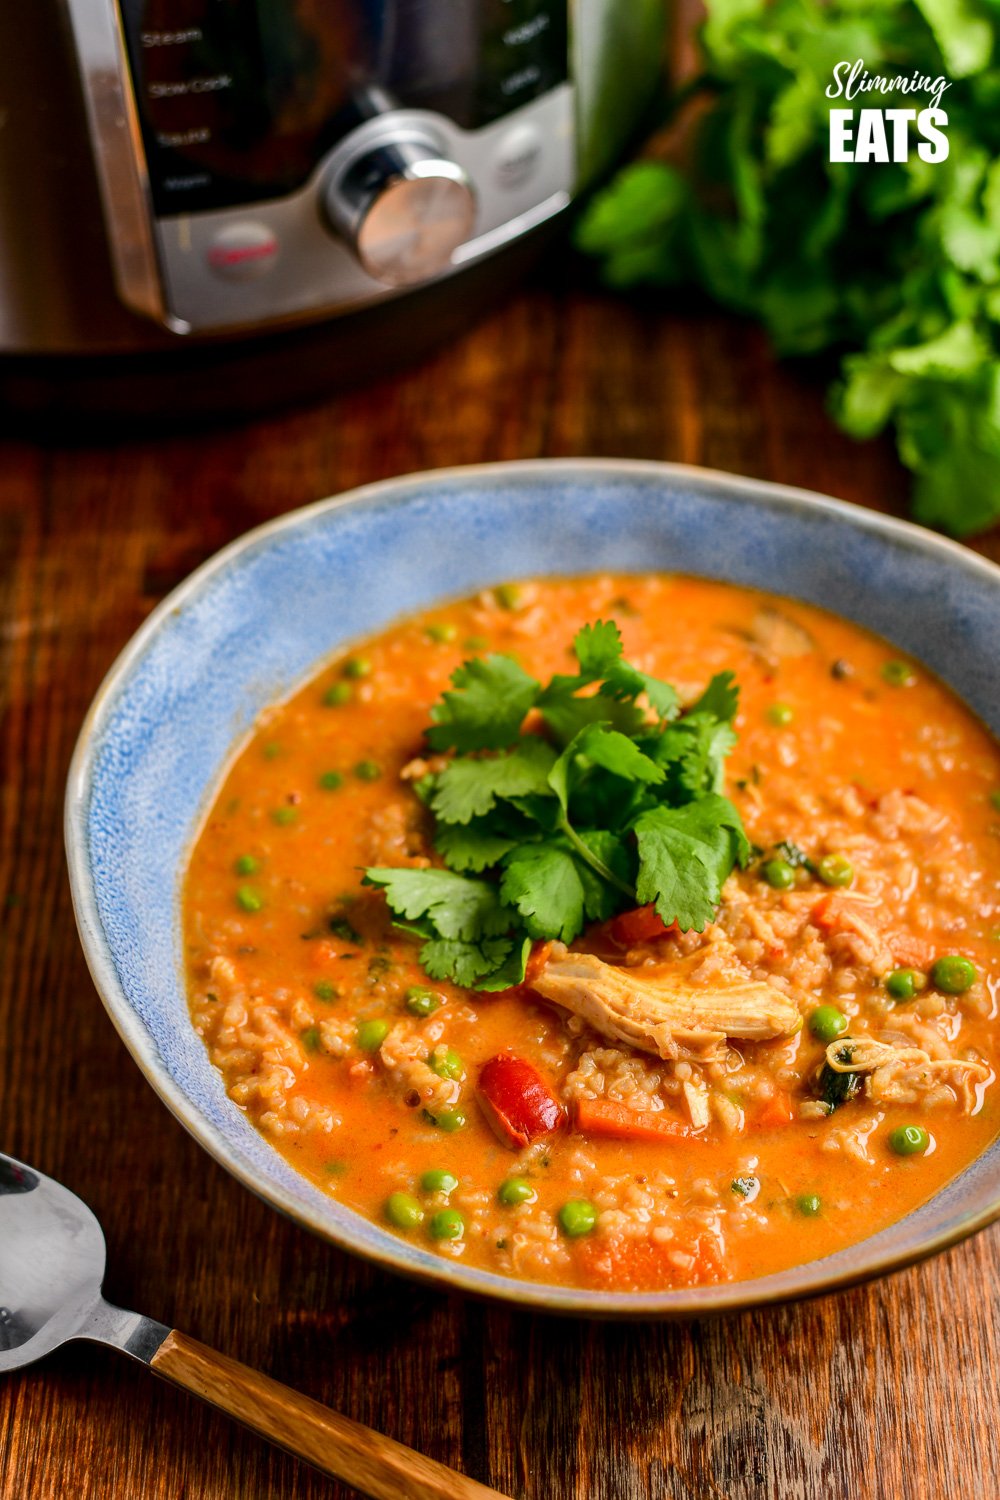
x,y
52,1260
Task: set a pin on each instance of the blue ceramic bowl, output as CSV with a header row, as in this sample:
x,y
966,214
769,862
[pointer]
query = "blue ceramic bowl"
x,y
259,619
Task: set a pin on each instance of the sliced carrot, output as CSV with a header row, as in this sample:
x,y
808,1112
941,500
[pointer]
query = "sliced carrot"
x,y
537,959
641,925
644,1264
837,909
775,1111
910,951
608,1118
827,912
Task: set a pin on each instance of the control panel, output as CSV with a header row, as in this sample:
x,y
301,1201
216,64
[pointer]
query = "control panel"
x,y
299,157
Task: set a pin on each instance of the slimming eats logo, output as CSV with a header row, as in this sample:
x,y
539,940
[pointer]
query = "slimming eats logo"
x,y
884,135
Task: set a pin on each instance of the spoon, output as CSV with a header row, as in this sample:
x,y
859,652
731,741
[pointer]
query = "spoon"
x,y
52,1258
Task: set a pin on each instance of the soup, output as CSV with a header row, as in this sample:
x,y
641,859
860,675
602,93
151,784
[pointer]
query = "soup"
x,y
635,1103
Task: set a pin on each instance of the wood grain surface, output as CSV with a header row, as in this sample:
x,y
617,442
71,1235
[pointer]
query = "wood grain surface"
x,y
888,1391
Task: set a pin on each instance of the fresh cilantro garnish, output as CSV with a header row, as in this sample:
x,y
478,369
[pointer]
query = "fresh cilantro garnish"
x,y
620,804
685,855
455,906
893,268
468,788
484,711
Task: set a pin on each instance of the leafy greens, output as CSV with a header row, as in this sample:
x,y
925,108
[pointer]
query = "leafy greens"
x,y
895,266
612,798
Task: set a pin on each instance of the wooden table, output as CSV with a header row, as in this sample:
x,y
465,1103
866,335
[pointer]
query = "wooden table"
x,y
889,1390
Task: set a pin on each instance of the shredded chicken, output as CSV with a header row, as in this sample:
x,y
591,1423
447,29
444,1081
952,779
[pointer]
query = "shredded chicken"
x,y
697,1101
854,938
776,634
657,1011
907,1075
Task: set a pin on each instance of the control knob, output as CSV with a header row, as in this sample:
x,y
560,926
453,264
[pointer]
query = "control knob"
x,y
404,208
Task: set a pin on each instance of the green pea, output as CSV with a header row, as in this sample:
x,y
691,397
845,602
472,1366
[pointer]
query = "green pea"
x,y
995,800
368,770
778,873
442,632
909,1140
438,1181
310,1038
337,694
403,1210
371,1034
507,595
421,1002
356,667
331,781
898,674
324,989
284,816
449,1120
447,1224
809,1205
577,1217
903,984
834,869
780,715
447,1064
270,751
475,643
516,1190
827,1023
249,899
247,865
953,974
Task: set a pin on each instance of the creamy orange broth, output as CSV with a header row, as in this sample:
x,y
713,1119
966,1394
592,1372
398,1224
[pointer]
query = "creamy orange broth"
x,y
907,768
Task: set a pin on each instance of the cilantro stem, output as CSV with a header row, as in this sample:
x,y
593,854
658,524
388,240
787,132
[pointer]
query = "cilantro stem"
x,y
590,858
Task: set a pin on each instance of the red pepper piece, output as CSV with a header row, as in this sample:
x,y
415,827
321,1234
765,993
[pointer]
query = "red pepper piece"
x,y
640,925
517,1101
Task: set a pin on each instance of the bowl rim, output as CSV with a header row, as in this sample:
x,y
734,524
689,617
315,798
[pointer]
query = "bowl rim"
x,y
807,1278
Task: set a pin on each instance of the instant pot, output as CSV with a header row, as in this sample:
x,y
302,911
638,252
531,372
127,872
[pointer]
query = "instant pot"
x,y
213,204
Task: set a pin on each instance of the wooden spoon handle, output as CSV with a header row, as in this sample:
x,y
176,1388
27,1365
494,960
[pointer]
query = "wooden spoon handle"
x,y
374,1464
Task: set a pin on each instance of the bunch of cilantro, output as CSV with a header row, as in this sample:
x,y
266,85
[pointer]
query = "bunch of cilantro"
x,y
896,267
616,802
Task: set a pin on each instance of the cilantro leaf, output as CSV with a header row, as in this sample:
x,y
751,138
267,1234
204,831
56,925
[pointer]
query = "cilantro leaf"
x,y
537,841
625,682
685,856
471,965
455,905
720,699
511,970
566,714
603,747
485,708
598,649
692,753
472,846
600,899
469,788
762,221
542,881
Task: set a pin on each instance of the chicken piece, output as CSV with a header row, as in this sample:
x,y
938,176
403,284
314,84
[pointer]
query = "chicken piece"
x,y
776,634
656,1010
907,1075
